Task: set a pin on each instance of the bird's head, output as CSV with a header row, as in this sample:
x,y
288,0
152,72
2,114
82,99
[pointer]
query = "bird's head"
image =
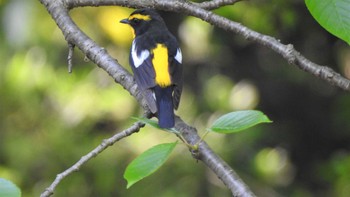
x,y
142,20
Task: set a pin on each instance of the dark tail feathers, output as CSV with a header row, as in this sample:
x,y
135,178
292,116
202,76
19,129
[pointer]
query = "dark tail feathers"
x,y
165,106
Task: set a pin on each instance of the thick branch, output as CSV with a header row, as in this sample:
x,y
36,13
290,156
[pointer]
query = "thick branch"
x,y
98,55
287,51
215,4
213,161
59,12
73,35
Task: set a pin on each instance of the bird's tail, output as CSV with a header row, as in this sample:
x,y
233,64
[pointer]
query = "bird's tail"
x,y
165,106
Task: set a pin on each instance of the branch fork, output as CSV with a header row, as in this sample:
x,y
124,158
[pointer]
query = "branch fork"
x,y
59,10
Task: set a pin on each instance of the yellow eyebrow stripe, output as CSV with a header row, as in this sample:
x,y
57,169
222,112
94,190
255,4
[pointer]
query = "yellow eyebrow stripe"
x,y
140,16
161,65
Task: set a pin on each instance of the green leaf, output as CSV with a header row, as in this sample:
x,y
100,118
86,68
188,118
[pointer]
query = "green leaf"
x,y
238,121
8,189
148,162
333,15
147,121
154,124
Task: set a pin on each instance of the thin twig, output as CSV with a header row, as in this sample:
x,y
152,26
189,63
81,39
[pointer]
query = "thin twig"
x,y
84,159
70,56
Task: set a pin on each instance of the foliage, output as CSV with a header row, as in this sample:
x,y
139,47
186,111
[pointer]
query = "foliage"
x,y
49,118
148,162
238,121
333,15
8,189
152,159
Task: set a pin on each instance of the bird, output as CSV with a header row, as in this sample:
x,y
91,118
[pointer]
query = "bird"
x,y
156,61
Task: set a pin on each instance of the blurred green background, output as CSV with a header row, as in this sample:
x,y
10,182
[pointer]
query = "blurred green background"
x,y
49,118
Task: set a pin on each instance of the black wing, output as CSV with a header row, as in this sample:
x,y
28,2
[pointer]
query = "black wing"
x,y
144,75
176,76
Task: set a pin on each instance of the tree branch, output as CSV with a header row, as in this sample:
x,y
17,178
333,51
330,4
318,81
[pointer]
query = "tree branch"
x,y
98,55
213,161
215,4
73,35
286,51
70,57
59,12
84,159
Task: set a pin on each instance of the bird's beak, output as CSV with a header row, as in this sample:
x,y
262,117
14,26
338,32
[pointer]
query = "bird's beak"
x,y
125,21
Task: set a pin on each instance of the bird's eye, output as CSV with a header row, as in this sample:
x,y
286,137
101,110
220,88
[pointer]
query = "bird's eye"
x,y
136,20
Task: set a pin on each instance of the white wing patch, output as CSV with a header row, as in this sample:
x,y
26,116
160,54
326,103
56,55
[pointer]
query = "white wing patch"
x,y
138,59
154,95
178,55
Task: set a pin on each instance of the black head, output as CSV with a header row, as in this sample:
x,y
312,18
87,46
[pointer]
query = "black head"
x,y
143,19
